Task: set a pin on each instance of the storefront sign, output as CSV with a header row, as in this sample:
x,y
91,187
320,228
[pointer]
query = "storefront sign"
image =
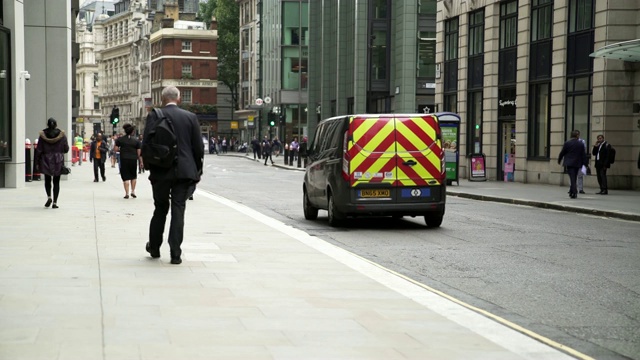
x,y
234,125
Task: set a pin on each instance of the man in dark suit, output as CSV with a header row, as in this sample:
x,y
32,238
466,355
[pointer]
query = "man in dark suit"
x,y
601,154
172,186
574,158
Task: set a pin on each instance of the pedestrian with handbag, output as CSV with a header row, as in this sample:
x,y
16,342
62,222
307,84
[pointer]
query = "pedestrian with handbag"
x,y
52,146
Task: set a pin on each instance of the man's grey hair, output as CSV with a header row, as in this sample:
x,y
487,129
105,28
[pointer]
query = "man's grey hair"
x,y
171,93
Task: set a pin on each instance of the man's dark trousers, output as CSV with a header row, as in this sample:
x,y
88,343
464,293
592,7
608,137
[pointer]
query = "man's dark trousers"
x,y
601,172
573,178
98,164
179,191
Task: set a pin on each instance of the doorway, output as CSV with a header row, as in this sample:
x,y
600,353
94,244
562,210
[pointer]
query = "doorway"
x,y
507,151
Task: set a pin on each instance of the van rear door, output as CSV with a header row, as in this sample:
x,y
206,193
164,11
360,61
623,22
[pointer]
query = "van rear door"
x,y
419,151
387,152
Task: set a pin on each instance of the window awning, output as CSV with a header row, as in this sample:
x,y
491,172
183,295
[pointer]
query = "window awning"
x,y
625,50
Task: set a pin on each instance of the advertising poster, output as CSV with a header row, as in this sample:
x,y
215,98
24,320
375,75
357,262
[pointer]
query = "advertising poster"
x,y
477,166
450,146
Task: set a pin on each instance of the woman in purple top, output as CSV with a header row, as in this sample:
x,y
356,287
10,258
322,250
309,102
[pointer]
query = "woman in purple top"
x,y
52,146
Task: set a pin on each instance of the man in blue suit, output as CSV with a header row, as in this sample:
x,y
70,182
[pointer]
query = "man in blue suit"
x,y
574,158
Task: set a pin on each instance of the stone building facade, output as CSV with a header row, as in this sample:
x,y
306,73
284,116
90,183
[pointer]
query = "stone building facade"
x,y
524,74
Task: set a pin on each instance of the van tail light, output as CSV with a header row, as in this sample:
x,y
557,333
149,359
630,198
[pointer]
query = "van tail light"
x,y
345,157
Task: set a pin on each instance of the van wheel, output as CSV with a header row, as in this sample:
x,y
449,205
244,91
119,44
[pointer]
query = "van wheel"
x,y
335,216
310,212
434,220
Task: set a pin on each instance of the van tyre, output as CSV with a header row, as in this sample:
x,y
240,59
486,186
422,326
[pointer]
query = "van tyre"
x,y
434,220
310,212
335,216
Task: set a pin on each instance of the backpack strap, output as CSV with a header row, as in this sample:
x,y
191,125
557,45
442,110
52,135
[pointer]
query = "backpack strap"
x,y
159,113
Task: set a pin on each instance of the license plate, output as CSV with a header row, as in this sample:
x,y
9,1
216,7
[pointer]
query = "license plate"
x,y
375,193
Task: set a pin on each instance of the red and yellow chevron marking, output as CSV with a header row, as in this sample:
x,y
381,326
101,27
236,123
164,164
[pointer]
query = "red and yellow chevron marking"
x,y
377,139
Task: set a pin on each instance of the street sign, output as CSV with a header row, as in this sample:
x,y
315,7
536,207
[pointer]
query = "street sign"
x,y
234,125
259,102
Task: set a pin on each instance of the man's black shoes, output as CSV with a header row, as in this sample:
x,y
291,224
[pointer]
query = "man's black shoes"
x,y
176,260
155,253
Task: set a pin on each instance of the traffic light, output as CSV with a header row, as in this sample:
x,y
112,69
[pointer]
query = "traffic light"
x,y
272,119
283,118
115,116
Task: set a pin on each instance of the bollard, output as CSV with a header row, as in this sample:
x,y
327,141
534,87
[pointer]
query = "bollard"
x,y
75,155
36,166
27,160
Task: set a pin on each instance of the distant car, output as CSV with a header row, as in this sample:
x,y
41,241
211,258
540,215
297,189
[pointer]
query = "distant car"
x,y
376,164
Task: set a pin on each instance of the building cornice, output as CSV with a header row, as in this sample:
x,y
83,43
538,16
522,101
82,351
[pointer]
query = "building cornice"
x,y
186,34
167,57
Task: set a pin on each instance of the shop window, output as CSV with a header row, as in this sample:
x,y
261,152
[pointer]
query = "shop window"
x,y
474,123
451,103
539,120
579,106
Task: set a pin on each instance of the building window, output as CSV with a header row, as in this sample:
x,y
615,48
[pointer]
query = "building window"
x,y
96,83
380,9
476,32
185,96
474,124
580,15
96,104
186,71
427,55
508,53
475,70
541,19
541,40
451,57
508,24
451,103
579,106
379,55
539,120
186,46
427,7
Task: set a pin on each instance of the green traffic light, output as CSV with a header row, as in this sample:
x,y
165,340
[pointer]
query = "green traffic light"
x,y
272,123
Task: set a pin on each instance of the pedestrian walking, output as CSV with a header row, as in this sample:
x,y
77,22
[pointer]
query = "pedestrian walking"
x,y
129,148
293,150
98,156
266,151
112,146
574,158
172,186
255,146
79,143
49,155
600,152
580,180
140,164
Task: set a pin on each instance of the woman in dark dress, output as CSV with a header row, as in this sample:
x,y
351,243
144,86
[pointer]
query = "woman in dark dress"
x,y
129,148
52,146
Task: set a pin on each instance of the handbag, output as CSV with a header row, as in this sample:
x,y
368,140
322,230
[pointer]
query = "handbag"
x,y
65,170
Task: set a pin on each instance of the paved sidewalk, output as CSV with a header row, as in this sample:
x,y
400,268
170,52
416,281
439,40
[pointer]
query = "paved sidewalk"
x,y
76,283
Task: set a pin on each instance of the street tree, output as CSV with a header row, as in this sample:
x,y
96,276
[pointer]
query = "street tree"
x,y
227,14
206,11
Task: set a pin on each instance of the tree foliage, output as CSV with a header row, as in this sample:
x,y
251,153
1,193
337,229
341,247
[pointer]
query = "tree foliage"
x,y
227,13
207,8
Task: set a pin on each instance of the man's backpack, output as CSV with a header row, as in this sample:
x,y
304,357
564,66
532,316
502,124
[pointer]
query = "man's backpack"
x,y
612,154
160,146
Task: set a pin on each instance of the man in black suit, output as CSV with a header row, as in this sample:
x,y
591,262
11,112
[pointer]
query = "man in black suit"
x,y
172,186
574,158
601,153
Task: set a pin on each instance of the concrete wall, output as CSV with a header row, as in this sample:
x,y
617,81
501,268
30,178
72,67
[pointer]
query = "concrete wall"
x,y
47,39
